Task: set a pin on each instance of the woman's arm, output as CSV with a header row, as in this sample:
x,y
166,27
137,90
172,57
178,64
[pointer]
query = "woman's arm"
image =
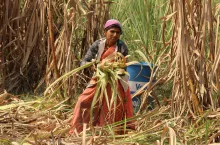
x,y
91,53
122,47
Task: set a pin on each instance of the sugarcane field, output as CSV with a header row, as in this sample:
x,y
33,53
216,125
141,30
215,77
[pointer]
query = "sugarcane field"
x,y
109,72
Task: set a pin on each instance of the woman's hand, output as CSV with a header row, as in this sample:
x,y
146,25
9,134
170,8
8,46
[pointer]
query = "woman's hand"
x,y
94,65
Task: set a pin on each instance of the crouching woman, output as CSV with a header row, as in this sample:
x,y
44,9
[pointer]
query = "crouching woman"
x,y
102,113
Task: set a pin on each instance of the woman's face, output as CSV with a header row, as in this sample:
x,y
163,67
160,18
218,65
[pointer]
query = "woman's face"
x,y
112,35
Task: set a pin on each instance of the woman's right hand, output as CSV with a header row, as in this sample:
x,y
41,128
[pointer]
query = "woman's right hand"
x,y
93,67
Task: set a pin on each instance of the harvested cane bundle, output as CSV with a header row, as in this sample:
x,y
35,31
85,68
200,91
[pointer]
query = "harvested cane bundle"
x,y
110,72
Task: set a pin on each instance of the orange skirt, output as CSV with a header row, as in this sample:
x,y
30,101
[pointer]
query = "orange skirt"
x,y
101,115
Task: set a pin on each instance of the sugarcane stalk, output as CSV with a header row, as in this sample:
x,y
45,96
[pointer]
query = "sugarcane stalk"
x,y
51,37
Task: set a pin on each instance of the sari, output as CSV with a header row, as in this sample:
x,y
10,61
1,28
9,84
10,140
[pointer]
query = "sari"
x,y
102,115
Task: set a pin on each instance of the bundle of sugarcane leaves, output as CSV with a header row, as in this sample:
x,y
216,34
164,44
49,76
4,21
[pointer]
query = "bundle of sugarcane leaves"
x,y
110,71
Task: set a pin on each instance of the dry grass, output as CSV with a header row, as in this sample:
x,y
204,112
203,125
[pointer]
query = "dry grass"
x,y
192,62
46,121
195,49
43,40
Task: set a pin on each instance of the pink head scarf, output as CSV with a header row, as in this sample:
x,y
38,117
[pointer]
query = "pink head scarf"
x,y
111,23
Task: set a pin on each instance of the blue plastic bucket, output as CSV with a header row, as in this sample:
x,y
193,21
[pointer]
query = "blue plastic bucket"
x,y
139,75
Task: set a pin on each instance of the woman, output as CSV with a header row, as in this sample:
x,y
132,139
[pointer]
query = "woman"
x,y
99,50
